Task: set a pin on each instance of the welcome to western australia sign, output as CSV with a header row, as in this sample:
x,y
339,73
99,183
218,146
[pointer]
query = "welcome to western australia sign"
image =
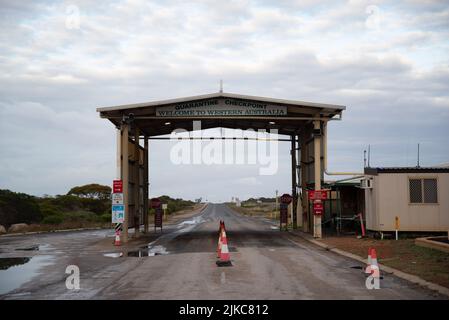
x,y
220,108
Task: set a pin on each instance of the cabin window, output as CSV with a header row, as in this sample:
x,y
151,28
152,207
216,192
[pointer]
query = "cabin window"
x,y
430,190
423,190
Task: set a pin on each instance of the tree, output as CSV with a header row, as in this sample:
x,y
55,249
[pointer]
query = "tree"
x,y
92,191
18,208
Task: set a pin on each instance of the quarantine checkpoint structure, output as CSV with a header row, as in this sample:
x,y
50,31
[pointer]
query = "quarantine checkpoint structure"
x,y
328,206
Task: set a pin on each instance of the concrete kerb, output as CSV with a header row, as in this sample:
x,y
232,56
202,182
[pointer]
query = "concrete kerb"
x,y
428,242
406,276
52,231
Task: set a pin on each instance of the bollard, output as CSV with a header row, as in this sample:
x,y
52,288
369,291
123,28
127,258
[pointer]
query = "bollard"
x,y
396,221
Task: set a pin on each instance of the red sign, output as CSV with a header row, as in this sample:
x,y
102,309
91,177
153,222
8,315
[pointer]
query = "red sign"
x,y
283,213
286,198
317,194
158,218
155,203
117,186
318,208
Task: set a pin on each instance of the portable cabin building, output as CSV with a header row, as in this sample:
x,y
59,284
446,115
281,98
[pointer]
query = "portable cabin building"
x,y
418,196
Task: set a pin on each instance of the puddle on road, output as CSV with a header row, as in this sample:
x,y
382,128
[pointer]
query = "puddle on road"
x,y
36,247
113,255
357,267
6,263
32,248
188,225
148,251
14,272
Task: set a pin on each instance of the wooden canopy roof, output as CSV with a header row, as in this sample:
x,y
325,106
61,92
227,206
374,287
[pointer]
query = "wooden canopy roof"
x,y
225,110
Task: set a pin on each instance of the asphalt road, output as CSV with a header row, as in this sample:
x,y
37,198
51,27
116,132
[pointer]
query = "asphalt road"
x,y
180,264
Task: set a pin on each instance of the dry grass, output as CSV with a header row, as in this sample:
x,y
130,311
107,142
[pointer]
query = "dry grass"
x,y
64,226
429,264
256,209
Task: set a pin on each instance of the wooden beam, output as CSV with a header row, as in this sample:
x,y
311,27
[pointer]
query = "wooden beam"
x,y
294,195
136,189
145,184
304,178
125,178
317,176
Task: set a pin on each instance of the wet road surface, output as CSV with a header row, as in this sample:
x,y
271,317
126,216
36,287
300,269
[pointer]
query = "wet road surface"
x,y
180,264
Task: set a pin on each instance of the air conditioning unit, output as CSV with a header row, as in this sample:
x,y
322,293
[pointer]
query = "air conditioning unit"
x,y
366,183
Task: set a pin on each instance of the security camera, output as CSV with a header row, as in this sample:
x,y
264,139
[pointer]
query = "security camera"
x,y
128,118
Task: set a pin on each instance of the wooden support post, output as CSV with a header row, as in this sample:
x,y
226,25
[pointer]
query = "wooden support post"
x,y
118,174
136,182
298,183
304,204
145,185
317,175
125,178
294,195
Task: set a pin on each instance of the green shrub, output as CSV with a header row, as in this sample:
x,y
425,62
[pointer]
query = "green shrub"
x,y
67,202
105,217
80,215
97,206
53,219
18,208
49,210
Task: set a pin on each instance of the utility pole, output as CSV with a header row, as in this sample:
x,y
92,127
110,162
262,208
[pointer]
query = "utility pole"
x,y
277,205
294,164
418,156
364,158
317,175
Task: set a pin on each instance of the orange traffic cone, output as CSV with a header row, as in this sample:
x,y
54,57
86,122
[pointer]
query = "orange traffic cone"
x,y
219,242
225,257
369,262
117,239
374,265
221,226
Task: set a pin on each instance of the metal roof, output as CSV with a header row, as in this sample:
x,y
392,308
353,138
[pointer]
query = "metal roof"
x,y
223,95
299,114
375,171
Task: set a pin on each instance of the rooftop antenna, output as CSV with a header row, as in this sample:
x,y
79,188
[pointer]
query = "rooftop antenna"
x,y
364,158
418,157
221,86
369,155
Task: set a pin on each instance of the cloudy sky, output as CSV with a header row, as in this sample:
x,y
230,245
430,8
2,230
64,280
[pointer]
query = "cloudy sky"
x,y
387,61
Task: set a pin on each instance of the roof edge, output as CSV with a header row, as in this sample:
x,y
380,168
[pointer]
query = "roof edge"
x,y
378,170
221,95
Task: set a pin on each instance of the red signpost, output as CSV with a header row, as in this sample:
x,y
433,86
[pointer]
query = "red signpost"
x,y
156,204
318,208
117,186
317,194
285,200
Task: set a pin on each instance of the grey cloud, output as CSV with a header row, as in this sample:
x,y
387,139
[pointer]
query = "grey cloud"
x,y
53,78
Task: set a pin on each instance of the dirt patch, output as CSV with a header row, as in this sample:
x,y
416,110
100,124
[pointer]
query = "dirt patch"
x,y
64,226
431,265
265,210
442,240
